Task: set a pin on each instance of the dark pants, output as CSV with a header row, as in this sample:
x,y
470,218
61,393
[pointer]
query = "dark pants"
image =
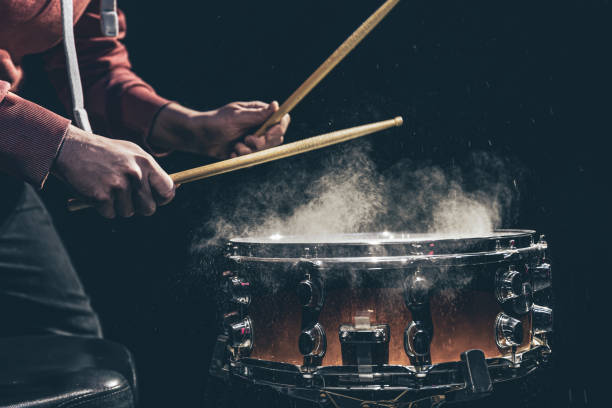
x,y
40,292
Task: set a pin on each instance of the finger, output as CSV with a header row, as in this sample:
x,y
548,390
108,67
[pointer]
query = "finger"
x,y
258,105
285,121
123,202
255,142
143,197
272,107
233,154
162,185
241,149
106,208
274,136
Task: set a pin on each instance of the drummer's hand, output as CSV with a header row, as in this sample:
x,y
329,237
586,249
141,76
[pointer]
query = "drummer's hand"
x,y
220,133
116,176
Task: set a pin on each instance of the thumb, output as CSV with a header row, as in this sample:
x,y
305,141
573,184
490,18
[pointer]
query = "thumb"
x,y
256,117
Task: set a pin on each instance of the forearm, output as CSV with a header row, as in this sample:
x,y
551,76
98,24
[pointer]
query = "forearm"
x,y
171,128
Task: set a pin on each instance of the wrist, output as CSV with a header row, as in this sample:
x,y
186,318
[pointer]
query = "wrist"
x,y
73,136
174,128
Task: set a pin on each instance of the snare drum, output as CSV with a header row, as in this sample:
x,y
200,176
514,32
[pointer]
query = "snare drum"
x,y
384,317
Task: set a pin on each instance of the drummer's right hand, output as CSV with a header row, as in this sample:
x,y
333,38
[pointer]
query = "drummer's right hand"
x,y
116,176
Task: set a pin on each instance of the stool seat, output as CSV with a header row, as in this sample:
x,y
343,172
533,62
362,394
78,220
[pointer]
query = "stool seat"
x,y
65,371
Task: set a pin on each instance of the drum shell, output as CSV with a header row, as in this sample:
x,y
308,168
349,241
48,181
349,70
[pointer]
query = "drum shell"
x,y
462,302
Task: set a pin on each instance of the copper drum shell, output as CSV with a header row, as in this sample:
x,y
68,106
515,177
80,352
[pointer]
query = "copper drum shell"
x,y
463,315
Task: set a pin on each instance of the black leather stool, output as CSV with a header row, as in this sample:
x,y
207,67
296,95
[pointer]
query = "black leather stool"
x,y
65,371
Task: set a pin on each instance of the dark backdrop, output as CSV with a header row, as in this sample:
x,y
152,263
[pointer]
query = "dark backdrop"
x,y
525,80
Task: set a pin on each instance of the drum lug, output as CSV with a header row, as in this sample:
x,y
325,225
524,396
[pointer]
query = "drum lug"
x,y
310,290
508,285
419,333
417,341
236,289
310,293
416,290
542,319
241,335
239,291
508,331
513,292
541,276
312,344
543,326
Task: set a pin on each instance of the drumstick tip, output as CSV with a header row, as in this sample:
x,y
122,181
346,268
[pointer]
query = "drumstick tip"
x,y
399,121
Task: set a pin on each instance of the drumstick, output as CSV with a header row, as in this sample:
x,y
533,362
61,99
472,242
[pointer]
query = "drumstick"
x,y
329,64
275,153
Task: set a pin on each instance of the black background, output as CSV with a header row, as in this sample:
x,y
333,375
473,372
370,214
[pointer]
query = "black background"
x,y
527,81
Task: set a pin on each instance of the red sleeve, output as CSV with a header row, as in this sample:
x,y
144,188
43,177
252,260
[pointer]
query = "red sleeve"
x,y
119,103
30,137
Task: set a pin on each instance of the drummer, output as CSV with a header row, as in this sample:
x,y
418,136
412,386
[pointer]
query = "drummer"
x,y
118,173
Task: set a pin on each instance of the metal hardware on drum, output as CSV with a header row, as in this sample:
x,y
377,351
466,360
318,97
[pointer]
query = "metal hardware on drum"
x,y
416,290
542,277
478,383
417,339
309,293
523,304
543,325
241,334
419,332
384,294
513,291
239,289
238,326
509,285
312,343
364,345
310,290
542,319
508,331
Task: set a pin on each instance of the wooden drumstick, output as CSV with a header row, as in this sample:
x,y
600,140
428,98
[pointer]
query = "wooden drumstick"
x,y
275,153
329,64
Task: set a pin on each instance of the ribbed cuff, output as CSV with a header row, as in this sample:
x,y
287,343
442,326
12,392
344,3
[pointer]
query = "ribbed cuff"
x,y
30,137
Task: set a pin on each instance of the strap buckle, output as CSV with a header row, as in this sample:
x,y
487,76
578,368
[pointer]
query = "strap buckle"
x,y
109,22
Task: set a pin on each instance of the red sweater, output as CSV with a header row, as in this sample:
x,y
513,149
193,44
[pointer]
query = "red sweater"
x,y
115,97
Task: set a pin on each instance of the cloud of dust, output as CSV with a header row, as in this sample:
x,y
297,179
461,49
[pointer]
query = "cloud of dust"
x,y
345,192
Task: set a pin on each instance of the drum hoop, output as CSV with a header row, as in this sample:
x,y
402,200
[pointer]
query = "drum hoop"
x,y
505,240
497,234
399,262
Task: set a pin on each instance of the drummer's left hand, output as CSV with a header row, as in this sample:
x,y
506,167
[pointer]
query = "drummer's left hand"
x,y
220,133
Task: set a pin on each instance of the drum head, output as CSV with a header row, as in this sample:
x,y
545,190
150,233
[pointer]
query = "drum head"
x,y
378,244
